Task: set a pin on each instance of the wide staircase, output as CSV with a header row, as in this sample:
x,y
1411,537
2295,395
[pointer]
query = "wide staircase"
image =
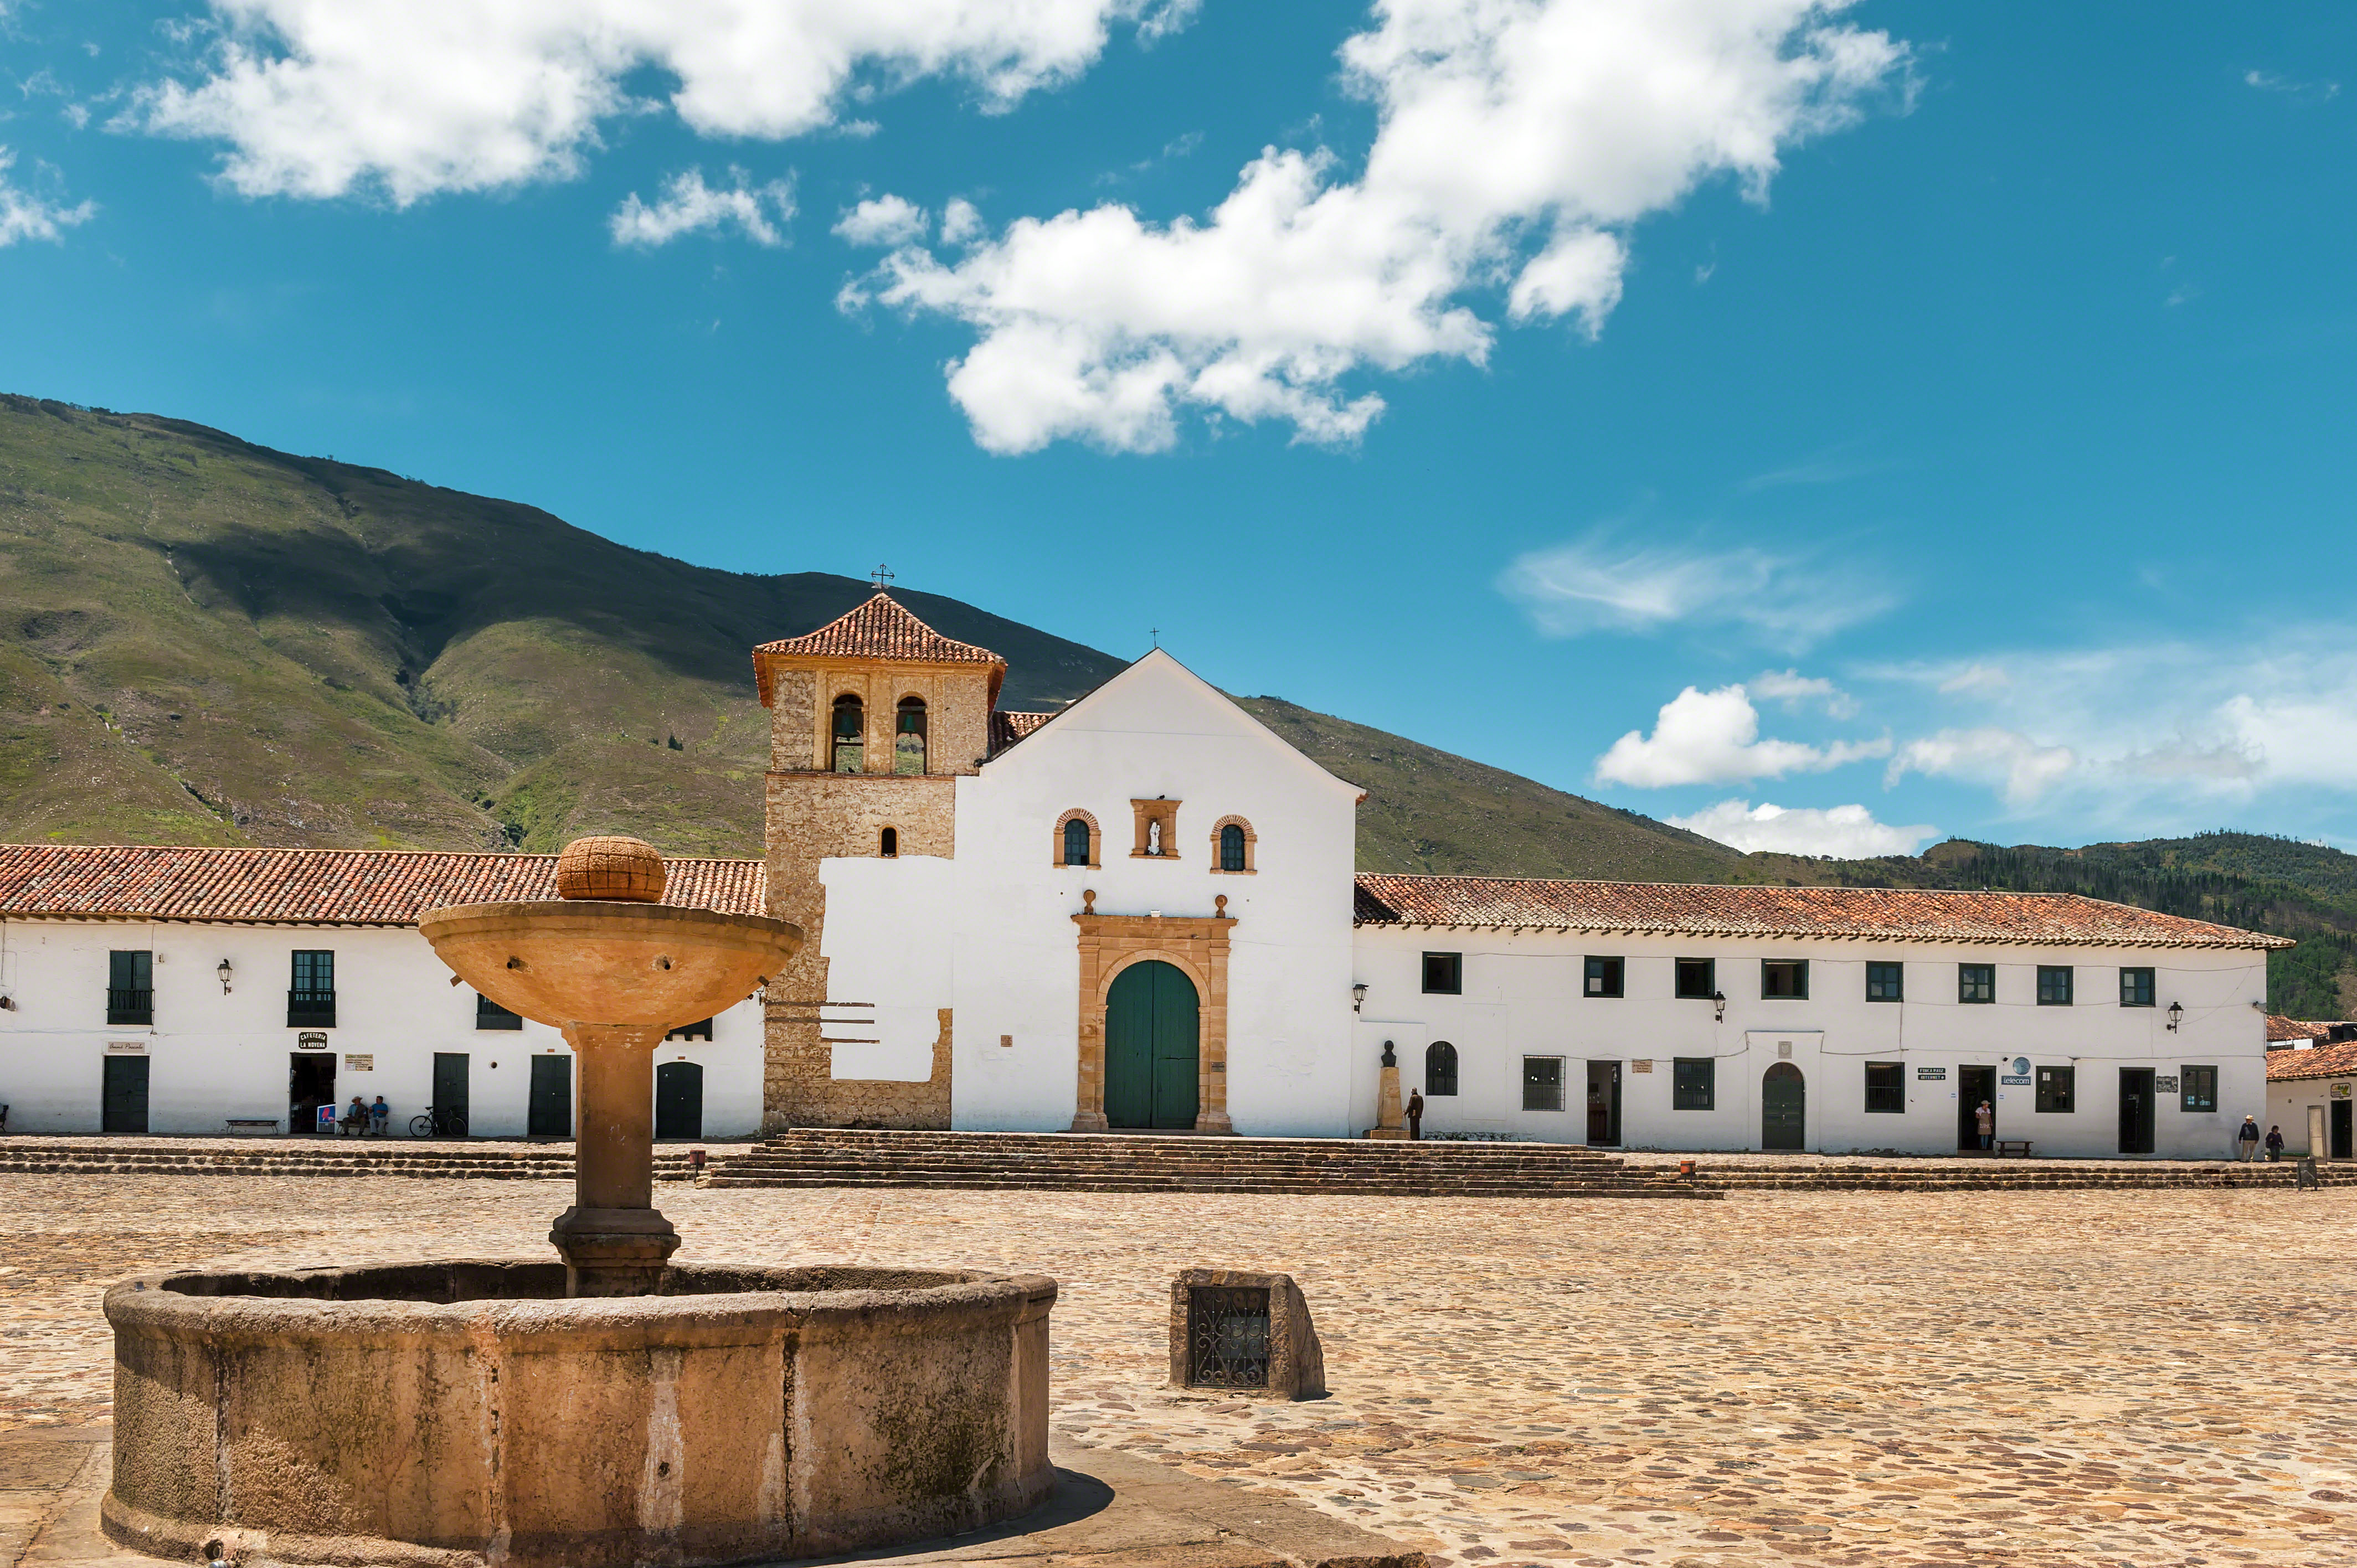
x,y
1966,1175
1123,1162
305,1156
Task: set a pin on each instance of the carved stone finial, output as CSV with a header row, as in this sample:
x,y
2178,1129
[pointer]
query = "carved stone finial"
x,y
612,867
1088,900
1221,904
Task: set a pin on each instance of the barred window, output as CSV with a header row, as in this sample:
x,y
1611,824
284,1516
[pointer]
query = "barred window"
x,y
1695,1085
1886,1088
1076,842
1542,1083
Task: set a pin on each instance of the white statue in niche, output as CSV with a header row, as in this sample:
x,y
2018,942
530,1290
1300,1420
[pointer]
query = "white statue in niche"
x,y
1154,836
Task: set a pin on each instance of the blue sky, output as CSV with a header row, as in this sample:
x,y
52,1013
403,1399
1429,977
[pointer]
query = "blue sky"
x,y
1909,419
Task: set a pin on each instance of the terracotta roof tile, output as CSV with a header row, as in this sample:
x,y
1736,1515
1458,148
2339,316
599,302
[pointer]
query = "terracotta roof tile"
x,y
329,886
2282,1029
2338,1059
1008,726
880,628
1695,909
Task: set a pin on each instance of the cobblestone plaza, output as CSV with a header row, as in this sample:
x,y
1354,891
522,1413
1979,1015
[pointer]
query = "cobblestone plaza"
x,y
2048,1379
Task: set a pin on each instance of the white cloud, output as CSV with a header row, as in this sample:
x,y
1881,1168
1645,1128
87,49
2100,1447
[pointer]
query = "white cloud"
x,y
1520,140
26,216
1713,737
1797,691
1976,678
1597,584
885,221
413,97
961,223
2313,91
2016,764
688,205
1845,832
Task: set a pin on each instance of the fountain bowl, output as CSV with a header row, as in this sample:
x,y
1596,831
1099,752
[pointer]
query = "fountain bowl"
x,y
608,961
465,1413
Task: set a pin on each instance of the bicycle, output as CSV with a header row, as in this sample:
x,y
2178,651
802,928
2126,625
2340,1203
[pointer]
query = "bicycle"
x,y
448,1123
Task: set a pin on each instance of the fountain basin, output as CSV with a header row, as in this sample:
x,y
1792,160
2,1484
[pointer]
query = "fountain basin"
x,y
467,1413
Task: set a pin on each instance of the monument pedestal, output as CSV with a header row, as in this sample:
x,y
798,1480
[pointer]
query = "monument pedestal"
x,y
1390,1123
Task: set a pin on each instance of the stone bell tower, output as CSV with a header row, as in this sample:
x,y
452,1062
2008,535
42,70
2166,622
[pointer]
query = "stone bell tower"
x,y
872,717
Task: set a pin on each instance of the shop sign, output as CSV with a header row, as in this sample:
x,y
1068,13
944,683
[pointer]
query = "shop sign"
x,y
2019,1081
1645,1065
2164,1086
311,1040
2339,1091
359,1064
1933,1074
126,1047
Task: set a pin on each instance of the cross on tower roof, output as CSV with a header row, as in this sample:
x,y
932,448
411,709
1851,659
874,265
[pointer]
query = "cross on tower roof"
x,y
880,576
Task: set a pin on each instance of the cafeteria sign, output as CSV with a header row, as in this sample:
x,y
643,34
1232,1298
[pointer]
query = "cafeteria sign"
x,y
1932,1074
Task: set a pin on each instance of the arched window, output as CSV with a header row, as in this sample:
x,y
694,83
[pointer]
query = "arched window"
x,y
891,842
850,729
1440,1067
1076,842
909,737
1233,841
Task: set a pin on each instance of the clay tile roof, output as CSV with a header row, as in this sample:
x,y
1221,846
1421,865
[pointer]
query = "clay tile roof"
x,y
322,887
2338,1059
2282,1029
1692,909
881,628
1008,726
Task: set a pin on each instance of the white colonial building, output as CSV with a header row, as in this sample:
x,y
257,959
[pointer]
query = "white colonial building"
x,y
177,989
1141,912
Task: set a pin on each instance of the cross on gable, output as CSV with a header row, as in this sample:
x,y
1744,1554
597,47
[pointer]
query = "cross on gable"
x,y
880,576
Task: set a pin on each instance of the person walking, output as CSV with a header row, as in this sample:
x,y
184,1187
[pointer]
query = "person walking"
x,y
2275,1142
1414,1114
379,1117
1985,1121
2248,1137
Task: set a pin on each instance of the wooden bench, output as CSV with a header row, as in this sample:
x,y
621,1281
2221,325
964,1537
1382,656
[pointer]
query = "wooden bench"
x,y
248,1126
2013,1148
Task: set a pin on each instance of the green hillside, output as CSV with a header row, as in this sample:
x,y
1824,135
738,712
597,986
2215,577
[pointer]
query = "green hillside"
x,y
205,641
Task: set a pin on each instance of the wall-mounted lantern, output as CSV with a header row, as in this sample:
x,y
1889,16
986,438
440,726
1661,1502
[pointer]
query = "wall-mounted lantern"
x,y
224,972
7,1004
1358,995
2176,1016
1719,1006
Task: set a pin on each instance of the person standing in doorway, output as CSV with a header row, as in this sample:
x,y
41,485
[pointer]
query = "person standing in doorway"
x,y
1985,1123
2248,1138
1414,1114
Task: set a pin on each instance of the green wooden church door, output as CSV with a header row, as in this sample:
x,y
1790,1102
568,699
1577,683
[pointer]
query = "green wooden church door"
x,y
1783,1108
1151,1051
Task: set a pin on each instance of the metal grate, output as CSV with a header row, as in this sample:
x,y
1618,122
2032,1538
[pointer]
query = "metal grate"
x,y
1227,1336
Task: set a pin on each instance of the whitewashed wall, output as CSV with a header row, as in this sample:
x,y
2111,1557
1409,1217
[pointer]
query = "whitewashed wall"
x,y
1155,730
1522,997
2289,1104
215,1056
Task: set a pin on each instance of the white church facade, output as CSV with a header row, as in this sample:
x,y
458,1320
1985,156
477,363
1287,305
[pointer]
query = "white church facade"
x,y
1143,912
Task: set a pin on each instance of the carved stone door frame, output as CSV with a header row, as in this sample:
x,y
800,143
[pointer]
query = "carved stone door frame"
x,y
1195,945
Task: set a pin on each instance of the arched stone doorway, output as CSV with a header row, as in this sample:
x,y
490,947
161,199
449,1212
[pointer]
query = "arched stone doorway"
x,y
1153,1048
1783,1108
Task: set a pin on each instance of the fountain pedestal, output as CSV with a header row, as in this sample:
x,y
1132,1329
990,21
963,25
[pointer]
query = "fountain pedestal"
x,y
614,1240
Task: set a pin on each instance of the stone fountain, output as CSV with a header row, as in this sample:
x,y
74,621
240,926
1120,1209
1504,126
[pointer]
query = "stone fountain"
x,y
609,1409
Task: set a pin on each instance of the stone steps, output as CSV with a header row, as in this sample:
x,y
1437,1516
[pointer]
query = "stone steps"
x,y
283,1160
815,1157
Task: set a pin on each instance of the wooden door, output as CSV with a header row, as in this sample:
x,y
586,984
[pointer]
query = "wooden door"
x,y
123,1099
550,1112
1974,1084
1604,1104
1783,1108
450,1084
2343,1124
1153,1052
678,1100
2136,1111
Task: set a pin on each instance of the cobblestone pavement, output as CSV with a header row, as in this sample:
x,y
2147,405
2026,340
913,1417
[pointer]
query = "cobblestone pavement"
x,y
2041,1379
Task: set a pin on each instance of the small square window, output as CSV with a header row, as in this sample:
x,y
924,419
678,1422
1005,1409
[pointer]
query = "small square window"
x,y
1885,981
1886,1088
1542,1083
1975,982
1603,977
1697,978
2135,988
1696,1085
1787,977
2198,1087
2057,1089
1444,974
2054,985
